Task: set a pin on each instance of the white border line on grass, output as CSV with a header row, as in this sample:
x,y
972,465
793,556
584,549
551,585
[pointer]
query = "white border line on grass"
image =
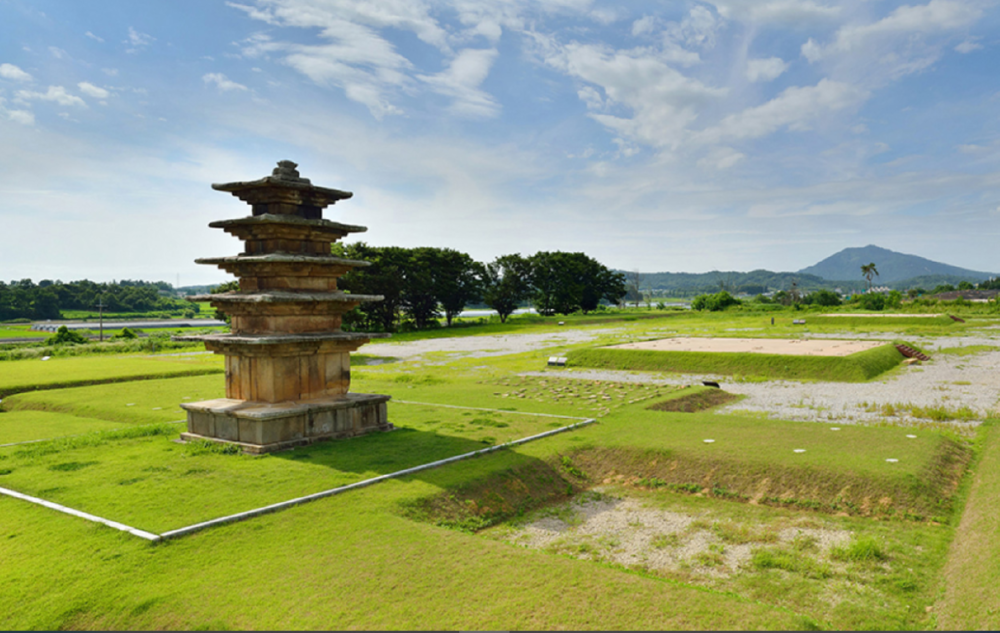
x,y
249,514
275,507
83,515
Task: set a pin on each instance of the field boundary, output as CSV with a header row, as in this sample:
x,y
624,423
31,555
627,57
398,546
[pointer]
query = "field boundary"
x,y
283,505
6,392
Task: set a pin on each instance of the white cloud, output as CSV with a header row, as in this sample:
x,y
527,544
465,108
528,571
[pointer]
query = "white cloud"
x,y
10,71
791,13
24,117
795,108
91,90
461,82
936,15
644,25
94,37
111,72
696,30
721,158
58,53
138,40
968,45
663,101
225,84
765,69
57,94
405,15
357,59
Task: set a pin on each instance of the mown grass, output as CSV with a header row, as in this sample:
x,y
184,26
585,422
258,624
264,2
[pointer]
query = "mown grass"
x,y
332,563
141,477
26,426
857,367
19,331
30,375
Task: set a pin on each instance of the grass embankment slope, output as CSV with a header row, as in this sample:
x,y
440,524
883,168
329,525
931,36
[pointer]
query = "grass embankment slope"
x,y
972,573
857,367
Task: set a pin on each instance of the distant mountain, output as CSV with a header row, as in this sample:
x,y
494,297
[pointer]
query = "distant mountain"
x,y
753,282
892,266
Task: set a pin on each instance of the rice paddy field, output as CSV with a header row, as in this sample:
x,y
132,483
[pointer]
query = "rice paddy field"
x,y
672,510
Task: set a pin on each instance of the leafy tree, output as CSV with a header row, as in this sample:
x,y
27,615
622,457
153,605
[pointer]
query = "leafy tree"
x,y
506,282
872,301
823,298
894,299
384,277
566,282
229,286
456,281
965,285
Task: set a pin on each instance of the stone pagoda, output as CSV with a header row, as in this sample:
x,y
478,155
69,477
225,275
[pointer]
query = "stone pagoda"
x,y
288,367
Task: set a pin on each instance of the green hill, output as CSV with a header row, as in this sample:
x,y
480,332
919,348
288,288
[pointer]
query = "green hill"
x,y
892,266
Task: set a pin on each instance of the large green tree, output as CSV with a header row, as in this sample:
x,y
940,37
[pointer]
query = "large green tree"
x,y
506,283
566,282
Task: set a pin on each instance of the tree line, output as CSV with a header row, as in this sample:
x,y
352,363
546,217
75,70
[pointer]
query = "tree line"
x,y
46,300
419,285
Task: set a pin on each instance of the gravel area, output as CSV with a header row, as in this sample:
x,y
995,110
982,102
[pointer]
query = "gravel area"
x,y
482,346
626,532
948,381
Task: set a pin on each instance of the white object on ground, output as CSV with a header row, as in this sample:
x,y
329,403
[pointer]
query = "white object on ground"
x,y
892,460
799,450
709,441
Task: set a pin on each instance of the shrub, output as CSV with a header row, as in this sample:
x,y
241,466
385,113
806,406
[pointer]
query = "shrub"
x,y
65,336
714,303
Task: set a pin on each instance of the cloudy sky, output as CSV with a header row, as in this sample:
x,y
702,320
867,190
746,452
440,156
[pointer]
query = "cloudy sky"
x,y
659,136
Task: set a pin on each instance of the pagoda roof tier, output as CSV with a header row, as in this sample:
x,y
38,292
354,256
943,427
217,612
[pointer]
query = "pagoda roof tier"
x,y
284,192
270,225
284,258
279,296
275,345
264,340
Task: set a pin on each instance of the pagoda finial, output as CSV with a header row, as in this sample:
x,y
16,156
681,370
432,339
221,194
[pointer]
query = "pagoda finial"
x,y
286,170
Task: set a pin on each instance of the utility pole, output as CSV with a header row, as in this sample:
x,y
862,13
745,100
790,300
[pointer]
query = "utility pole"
x,y
100,311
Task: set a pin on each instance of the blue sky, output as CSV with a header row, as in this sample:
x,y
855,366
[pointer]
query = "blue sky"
x,y
659,136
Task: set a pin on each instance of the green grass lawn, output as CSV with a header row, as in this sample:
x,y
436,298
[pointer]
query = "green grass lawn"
x,y
27,375
404,554
26,426
19,331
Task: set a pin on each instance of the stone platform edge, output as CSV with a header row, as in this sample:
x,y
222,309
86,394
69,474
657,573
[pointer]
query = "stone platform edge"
x,y
258,427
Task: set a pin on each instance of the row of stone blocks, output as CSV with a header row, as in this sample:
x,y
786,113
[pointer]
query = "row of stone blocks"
x,y
263,428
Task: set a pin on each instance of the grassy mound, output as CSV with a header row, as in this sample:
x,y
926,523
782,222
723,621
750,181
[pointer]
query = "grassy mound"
x,y
867,323
857,367
840,472
698,400
927,495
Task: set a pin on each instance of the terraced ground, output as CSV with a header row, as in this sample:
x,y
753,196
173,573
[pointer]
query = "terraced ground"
x,y
678,508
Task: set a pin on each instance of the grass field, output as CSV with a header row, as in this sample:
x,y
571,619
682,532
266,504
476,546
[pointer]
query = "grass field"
x,y
430,550
28,375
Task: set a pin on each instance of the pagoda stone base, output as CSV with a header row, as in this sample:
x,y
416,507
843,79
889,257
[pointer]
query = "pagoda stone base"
x,y
261,427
